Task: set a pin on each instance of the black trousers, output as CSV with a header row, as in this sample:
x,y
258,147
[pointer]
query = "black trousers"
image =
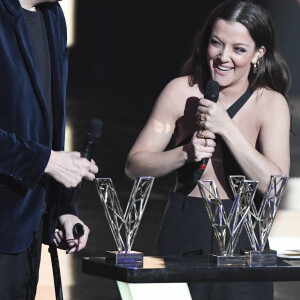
x,y
186,230
19,272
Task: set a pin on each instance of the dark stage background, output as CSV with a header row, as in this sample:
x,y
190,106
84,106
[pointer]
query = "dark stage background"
x,y
124,54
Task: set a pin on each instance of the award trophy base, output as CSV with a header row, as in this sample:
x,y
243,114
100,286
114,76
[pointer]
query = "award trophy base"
x,y
131,258
227,260
260,258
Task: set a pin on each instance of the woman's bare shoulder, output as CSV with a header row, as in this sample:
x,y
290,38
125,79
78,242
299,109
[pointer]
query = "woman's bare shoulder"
x,y
173,97
268,98
266,95
271,104
179,88
179,83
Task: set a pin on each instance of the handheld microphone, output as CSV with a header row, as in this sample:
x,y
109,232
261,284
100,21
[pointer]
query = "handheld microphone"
x,y
93,133
211,92
92,136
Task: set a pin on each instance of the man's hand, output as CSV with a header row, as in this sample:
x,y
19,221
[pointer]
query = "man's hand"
x,y
64,239
69,168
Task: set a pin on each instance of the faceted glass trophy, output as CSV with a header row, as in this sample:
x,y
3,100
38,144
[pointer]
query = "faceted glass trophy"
x,y
124,226
260,220
227,228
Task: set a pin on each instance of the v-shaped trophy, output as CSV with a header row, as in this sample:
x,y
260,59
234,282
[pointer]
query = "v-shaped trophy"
x,y
260,220
124,224
227,227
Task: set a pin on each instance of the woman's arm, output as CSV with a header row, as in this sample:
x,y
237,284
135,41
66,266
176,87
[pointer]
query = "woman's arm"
x,y
147,156
273,158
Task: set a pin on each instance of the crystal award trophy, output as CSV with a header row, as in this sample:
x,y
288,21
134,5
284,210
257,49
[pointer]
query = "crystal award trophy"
x,y
124,224
227,228
260,220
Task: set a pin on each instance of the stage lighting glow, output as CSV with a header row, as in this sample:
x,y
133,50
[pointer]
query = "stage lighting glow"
x,y
69,9
285,233
68,138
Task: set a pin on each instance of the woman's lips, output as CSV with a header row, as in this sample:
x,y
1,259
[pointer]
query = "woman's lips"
x,y
222,70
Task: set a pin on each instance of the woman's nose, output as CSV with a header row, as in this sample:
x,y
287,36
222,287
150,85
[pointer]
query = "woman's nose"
x,y
224,54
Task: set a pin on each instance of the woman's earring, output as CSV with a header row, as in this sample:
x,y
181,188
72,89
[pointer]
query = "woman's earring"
x,y
255,67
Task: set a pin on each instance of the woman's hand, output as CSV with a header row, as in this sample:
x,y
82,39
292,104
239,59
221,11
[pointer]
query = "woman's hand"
x,y
202,145
213,116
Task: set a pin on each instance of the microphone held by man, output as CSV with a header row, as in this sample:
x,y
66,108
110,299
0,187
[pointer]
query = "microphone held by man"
x,y
92,136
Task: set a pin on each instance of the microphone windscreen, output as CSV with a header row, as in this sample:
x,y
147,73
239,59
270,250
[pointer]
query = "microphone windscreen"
x,y
211,91
94,129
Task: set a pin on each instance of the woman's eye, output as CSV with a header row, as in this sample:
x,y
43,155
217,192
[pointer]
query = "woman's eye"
x,y
215,43
239,50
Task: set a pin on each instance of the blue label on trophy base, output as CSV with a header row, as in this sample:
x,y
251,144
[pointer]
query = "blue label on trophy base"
x,y
125,258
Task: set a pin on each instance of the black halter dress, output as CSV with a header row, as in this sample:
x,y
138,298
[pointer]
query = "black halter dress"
x,y
186,229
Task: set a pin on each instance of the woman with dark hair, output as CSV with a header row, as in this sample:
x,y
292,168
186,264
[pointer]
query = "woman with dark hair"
x,y
251,121
273,70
